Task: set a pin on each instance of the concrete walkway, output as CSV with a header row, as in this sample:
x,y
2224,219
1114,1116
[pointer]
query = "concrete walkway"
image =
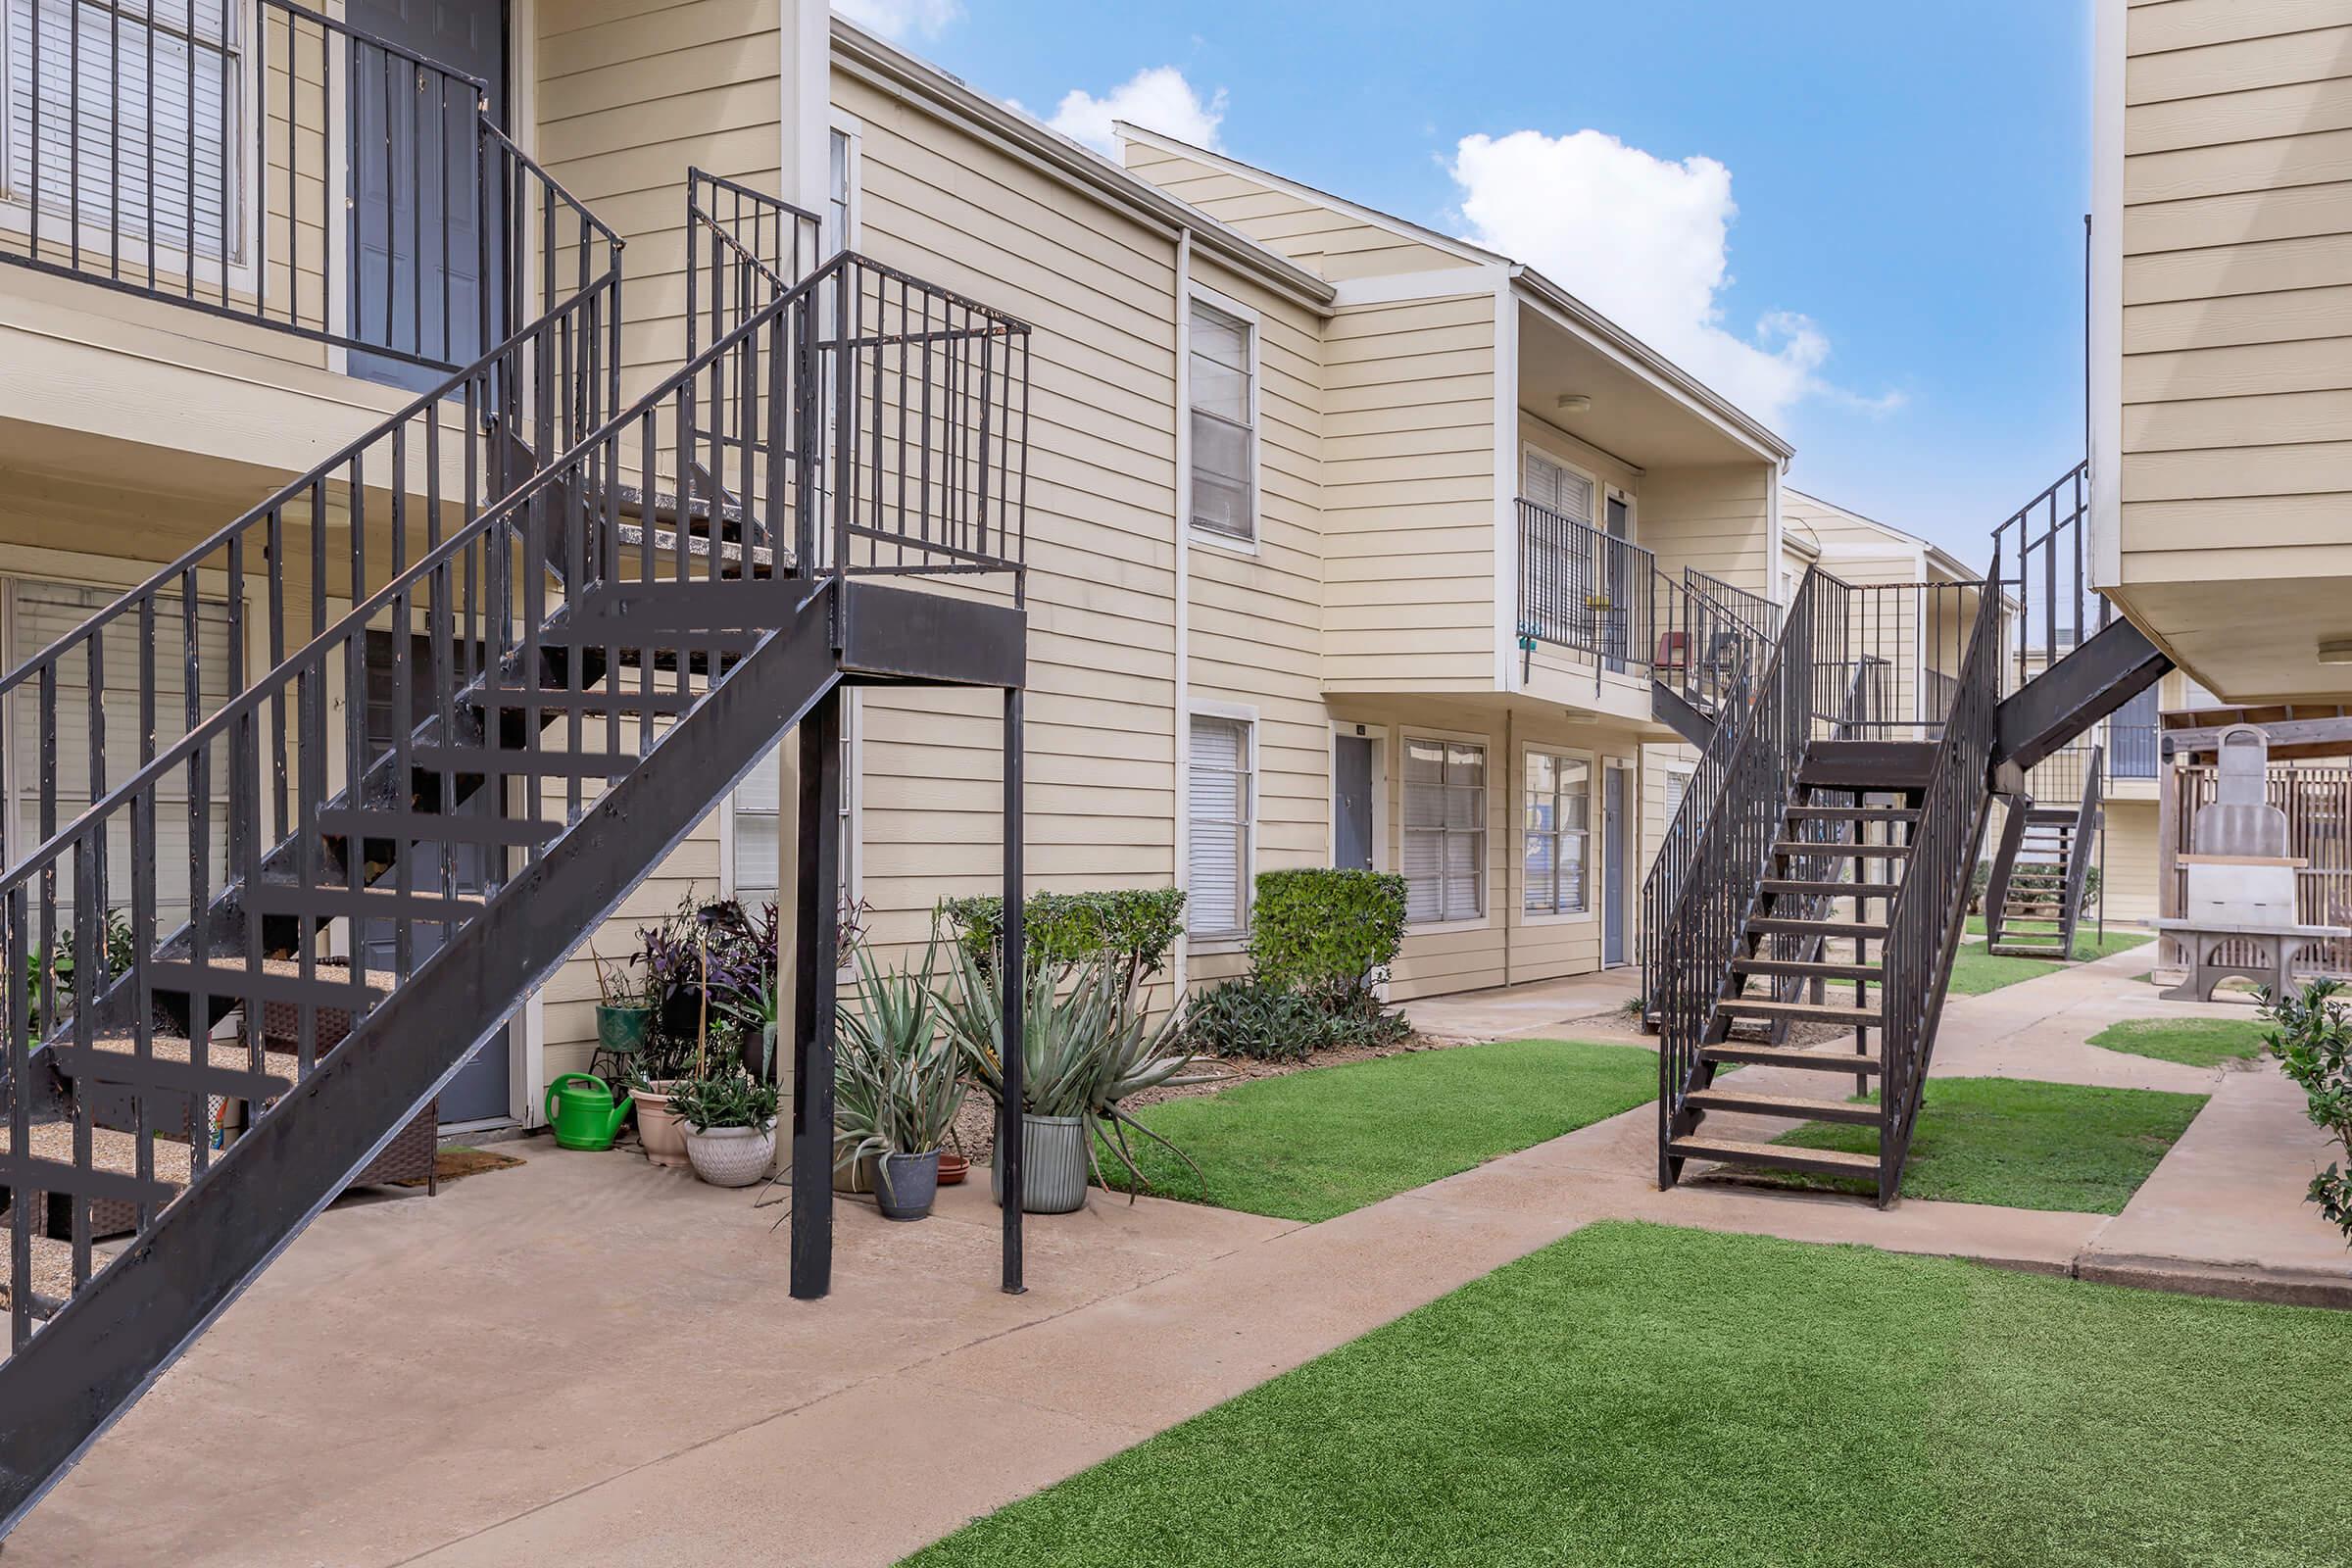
x,y
590,1360
1518,1012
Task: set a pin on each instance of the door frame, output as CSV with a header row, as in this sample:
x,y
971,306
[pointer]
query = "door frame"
x,y
1378,735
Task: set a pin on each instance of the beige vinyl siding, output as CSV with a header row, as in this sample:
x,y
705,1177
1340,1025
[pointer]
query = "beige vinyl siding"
x,y
2128,882
1099,289
2236,288
1409,474
1716,517
631,93
1316,234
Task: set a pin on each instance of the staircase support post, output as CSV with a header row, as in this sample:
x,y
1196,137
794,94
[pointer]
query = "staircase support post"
x,y
1016,993
817,958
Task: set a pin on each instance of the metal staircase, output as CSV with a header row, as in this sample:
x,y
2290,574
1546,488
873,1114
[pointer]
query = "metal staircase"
x,y
606,615
1828,881
2034,896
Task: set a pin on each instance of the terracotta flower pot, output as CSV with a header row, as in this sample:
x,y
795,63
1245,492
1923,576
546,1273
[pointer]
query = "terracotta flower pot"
x,y
952,1168
659,1132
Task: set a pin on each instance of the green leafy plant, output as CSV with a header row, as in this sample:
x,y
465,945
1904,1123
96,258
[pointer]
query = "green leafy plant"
x,y
1136,927
121,949
1250,1018
730,1098
1325,931
898,1081
1088,1041
2311,1039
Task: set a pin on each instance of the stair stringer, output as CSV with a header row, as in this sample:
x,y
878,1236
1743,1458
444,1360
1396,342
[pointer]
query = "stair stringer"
x,y
2016,808
1890,1171
72,1380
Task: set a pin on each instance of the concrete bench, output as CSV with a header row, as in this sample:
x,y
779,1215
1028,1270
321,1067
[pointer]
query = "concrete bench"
x,y
2276,945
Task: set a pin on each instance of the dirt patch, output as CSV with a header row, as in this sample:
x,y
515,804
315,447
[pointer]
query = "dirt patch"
x,y
452,1162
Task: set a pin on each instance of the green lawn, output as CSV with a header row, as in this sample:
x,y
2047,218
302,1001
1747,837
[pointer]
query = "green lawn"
x,y
2019,1144
1975,972
2195,1042
1313,1145
1635,1395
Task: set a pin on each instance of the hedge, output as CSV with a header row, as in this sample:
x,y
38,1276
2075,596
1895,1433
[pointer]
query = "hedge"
x,y
1323,930
1138,926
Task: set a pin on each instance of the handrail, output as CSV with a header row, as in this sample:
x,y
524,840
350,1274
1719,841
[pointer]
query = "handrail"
x,y
563,473
2038,554
1930,908
1582,588
2078,859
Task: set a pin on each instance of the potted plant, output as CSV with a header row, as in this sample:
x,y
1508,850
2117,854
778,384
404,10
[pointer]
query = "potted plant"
x,y
660,1066
1086,1044
903,1081
730,1118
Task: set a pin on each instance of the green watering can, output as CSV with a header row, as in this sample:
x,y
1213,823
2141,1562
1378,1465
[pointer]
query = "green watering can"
x,y
580,1108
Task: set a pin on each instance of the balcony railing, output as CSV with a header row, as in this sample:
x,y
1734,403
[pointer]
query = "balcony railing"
x,y
1583,589
273,165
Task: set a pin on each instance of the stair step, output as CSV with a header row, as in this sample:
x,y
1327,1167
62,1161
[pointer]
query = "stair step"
x,y
1753,1056
476,761
460,828
2051,816
1853,814
1844,852
112,1061
1776,1156
1781,925
698,547
2021,949
379,901
627,700
1743,1006
1830,889
1799,1106
1807,968
1867,764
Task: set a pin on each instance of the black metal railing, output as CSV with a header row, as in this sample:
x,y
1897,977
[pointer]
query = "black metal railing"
x,y
1705,925
1758,613
270,164
1930,909
1881,653
495,625
1583,589
2039,568
743,249
355,519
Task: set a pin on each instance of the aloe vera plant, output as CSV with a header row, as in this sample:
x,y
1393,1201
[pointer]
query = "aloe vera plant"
x,y
897,1081
1086,1042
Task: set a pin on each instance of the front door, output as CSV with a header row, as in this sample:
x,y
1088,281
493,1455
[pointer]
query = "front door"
x,y
415,172
1615,860
1352,762
480,1089
1621,584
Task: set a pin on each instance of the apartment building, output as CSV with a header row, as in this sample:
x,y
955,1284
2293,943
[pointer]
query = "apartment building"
x,y
1346,542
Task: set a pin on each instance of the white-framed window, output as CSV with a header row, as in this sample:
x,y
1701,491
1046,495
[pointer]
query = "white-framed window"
x,y
1557,487
754,856
1676,785
1444,830
1221,388
1559,833
842,180
1219,796
156,151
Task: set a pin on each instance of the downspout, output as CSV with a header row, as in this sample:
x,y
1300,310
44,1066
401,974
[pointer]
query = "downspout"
x,y
1183,425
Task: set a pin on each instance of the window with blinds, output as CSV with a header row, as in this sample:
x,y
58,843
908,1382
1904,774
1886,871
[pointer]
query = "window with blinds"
x,y
1444,830
759,825
1224,412
1678,785
1216,900
1559,830
40,614
1559,488
124,117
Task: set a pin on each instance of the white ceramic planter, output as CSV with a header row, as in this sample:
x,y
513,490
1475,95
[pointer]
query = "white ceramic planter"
x,y
732,1156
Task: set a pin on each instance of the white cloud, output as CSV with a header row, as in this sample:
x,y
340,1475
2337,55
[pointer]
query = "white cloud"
x,y
901,18
1645,241
1157,99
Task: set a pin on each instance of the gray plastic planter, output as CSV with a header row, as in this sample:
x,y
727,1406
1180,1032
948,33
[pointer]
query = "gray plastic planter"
x,y
1052,1165
907,1184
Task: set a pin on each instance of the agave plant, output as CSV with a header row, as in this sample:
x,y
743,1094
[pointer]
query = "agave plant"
x,y
897,1083
1086,1042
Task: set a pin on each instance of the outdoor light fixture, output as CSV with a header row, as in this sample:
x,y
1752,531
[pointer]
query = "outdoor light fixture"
x,y
2335,649
1574,403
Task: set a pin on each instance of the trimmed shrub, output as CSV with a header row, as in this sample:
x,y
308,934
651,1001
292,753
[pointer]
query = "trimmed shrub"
x,y
1331,933
2311,1035
1135,927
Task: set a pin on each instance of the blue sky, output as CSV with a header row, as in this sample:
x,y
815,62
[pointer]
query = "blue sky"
x,y
1908,179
